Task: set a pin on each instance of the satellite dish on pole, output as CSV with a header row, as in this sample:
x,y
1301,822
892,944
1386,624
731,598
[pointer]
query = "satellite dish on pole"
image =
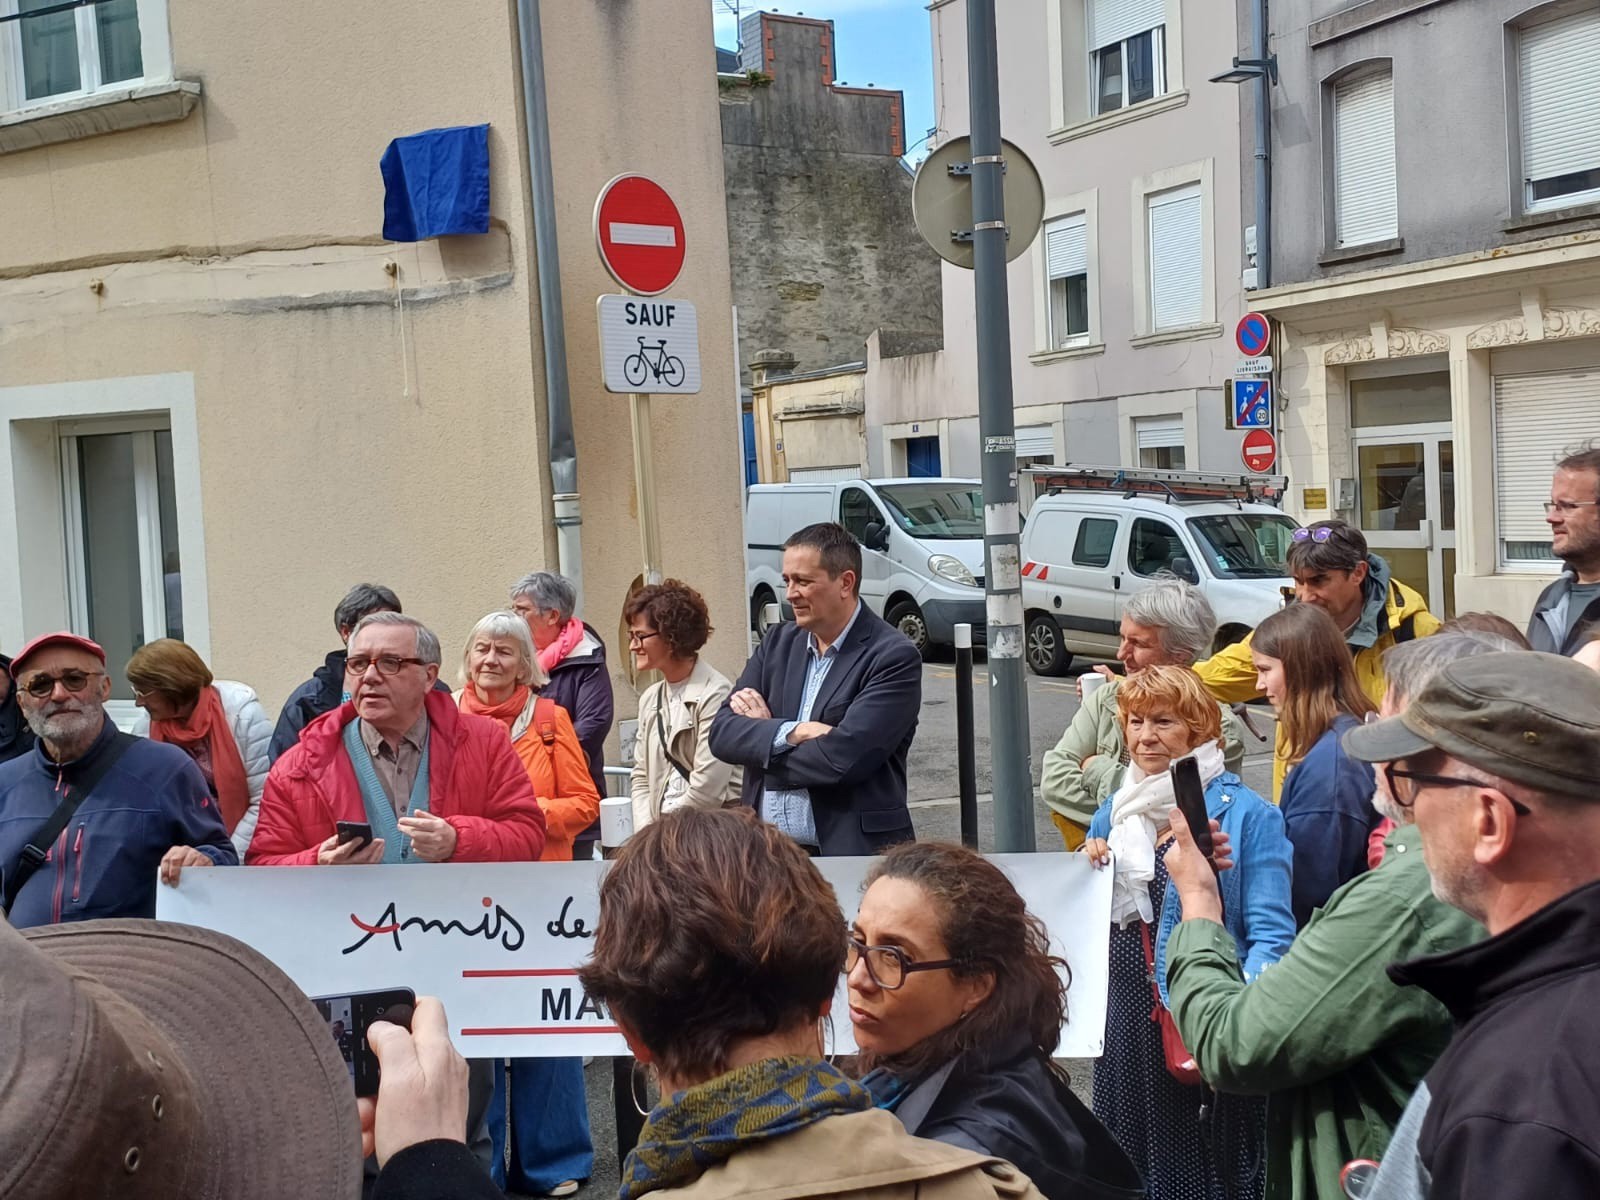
x,y
941,201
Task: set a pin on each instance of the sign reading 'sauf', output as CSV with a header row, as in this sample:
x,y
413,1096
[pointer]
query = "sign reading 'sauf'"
x,y
649,344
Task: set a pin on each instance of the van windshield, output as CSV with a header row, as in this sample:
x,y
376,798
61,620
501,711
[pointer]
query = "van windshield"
x,y
1245,545
946,511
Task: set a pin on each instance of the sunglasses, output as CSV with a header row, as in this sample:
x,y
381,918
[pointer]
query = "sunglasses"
x,y
42,686
1319,535
1442,781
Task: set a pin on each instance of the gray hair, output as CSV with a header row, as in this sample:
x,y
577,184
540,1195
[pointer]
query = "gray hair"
x,y
1408,667
512,628
547,591
427,641
360,600
1181,614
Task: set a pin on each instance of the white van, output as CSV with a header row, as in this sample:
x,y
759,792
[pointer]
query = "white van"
x,y
1099,535
921,548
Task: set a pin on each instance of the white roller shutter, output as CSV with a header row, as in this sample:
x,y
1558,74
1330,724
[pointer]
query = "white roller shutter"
x,y
1034,441
1066,247
1177,259
1153,433
1113,21
1537,418
1559,94
1365,203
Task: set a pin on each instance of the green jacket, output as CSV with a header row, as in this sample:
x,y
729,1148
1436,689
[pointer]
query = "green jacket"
x,y
1337,1046
1076,792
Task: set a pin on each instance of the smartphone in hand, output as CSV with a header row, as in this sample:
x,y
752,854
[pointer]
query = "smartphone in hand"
x,y
1191,797
349,1018
354,831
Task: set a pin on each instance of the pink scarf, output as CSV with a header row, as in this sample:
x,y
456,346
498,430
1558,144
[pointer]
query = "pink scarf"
x,y
571,634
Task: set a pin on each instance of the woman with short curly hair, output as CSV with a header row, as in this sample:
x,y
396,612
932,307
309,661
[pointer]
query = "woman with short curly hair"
x,y
673,766
957,1008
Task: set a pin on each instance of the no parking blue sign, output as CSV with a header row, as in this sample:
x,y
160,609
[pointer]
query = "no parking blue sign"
x,y
1252,403
1253,334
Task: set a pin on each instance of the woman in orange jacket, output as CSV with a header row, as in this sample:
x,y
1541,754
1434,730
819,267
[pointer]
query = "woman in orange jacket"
x,y
539,1103
501,678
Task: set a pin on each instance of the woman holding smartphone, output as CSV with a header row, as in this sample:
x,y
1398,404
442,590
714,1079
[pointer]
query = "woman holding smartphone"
x,y
1304,667
1167,715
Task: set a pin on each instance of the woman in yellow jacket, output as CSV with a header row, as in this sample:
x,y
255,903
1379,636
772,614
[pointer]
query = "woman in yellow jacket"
x,y
539,1103
1334,571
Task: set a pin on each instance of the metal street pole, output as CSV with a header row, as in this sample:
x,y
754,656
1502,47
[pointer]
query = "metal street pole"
x,y
644,478
1008,698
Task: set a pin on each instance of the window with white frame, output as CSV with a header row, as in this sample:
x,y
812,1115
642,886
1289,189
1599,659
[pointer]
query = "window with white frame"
x,y
52,51
125,577
1066,255
1537,419
1365,194
1160,443
1174,227
1127,52
1558,93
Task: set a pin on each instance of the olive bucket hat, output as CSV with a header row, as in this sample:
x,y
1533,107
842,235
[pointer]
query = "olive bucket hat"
x,y
144,1059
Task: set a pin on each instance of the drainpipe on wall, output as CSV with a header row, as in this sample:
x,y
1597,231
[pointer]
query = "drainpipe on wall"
x,y
1263,152
563,448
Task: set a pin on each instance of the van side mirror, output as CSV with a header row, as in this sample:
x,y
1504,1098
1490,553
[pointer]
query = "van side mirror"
x,y
1184,569
875,536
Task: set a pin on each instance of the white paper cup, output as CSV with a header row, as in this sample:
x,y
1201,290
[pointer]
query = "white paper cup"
x,y
616,820
1089,681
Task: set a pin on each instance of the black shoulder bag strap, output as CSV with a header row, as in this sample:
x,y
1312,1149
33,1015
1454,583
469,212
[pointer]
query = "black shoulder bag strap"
x,y
661,734
38,846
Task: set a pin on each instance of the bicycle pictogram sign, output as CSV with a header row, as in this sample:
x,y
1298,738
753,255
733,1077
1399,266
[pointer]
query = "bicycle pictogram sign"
x,y
649,345
655,363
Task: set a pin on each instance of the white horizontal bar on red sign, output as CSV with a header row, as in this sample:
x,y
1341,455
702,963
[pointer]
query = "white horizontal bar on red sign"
x,y
625,233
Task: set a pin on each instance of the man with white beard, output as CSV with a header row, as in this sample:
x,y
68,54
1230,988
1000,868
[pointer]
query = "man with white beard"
x,y
91,814
1334,1043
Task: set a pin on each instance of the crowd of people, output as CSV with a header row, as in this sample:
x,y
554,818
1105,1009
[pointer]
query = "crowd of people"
x,y
1384,969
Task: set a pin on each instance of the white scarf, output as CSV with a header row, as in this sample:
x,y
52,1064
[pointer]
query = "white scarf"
x,y
1138,811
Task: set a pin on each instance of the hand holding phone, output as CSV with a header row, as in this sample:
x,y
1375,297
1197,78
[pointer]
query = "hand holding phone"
x,y
354,831
349,1018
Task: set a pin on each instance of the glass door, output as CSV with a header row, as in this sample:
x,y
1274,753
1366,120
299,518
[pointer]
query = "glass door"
x,y
1405,480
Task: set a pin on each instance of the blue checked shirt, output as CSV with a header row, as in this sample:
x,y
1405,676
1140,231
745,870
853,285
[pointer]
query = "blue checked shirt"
x,y
791,810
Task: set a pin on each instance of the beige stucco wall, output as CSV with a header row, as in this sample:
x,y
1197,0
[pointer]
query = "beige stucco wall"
x,y
817,421
339,438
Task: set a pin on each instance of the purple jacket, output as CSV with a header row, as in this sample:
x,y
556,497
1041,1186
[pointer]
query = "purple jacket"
x,y
580,684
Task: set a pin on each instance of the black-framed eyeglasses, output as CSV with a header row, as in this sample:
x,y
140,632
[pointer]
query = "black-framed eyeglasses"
x,y
387,664
1391,773
635,638
889,965
41,686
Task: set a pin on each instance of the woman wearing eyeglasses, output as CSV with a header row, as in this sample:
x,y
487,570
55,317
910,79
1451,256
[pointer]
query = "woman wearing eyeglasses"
x,y
1189,1143
1304,668
723,994
957,1007
218,723
673,766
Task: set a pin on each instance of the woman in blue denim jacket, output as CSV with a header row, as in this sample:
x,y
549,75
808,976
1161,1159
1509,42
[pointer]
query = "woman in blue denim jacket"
x,y
1166,714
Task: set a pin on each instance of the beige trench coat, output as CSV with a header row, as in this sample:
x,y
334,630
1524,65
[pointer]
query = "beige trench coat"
x,y
712,782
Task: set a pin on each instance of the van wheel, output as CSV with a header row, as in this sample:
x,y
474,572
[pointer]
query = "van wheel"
x,y
758,613
1044,651
907,618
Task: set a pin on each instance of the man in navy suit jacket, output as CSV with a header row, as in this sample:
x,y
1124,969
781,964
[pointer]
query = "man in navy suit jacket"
x,y
823,715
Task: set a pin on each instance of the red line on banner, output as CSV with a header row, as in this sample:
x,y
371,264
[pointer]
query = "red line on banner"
x,y
519,974
515,1031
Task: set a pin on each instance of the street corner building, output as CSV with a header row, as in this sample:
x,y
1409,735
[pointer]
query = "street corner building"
x,y
225,396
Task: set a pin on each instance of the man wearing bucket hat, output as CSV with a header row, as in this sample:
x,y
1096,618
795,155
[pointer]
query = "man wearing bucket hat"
x,y
1498,759
90,813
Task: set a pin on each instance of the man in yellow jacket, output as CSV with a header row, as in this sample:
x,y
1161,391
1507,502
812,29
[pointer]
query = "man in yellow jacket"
x,y
1333,570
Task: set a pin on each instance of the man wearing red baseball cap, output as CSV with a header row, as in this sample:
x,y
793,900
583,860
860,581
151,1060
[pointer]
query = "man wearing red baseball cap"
x,y
91,814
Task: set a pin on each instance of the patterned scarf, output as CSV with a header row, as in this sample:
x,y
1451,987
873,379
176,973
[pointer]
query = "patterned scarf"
x,y
705,1125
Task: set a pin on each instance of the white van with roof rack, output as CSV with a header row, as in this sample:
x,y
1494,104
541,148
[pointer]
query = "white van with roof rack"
x,y
1098,535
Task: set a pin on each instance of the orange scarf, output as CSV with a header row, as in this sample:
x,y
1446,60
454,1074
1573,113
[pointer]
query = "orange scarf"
x,y
506,712
208,723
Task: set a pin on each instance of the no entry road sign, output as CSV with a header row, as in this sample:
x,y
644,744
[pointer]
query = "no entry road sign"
x,y
1253,334
1260,451
640,234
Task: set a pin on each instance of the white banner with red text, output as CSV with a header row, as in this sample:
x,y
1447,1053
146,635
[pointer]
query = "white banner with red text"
x,y
500,943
